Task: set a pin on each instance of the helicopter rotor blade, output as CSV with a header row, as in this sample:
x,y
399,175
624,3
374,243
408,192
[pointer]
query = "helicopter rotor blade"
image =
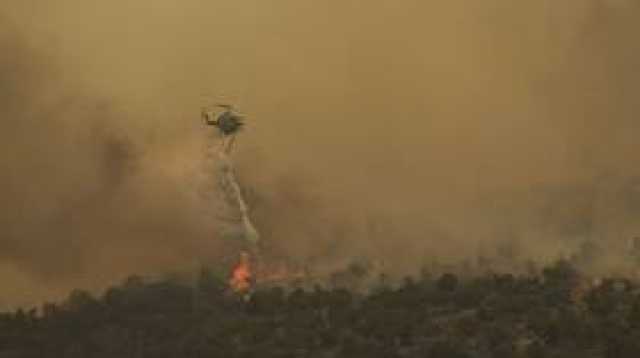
x,y
225,106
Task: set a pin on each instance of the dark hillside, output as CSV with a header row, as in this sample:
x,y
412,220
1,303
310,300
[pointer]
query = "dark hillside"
x,y
555,315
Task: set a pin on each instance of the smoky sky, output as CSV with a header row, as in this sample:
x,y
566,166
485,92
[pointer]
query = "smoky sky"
x,y
405,130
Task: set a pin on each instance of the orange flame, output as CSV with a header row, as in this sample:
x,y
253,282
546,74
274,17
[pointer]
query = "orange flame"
x,y
241,275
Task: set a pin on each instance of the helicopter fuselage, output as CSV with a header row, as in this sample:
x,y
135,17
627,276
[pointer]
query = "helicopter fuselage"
x,y
227,122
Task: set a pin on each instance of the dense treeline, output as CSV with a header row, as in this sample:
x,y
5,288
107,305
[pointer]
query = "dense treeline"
x,y
494,315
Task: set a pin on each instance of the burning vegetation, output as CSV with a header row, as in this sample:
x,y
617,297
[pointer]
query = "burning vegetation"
x,y
242,278
551,314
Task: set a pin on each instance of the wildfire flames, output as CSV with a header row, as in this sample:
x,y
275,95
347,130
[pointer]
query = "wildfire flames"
x,y
244,276
241,276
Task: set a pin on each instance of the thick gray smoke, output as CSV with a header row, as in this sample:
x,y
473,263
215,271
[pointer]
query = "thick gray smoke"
x,y
88,194
405,131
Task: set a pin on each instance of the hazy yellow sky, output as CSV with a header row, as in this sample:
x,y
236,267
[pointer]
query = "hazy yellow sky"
x,y
446,120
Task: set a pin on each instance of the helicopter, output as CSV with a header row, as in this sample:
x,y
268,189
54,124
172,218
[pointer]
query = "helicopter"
x,y
228,122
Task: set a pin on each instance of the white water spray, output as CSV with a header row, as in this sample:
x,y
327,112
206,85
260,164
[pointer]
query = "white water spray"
x,y
230,183
219,150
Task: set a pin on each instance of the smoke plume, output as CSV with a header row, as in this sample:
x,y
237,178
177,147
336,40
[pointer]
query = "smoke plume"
x,y
404,131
